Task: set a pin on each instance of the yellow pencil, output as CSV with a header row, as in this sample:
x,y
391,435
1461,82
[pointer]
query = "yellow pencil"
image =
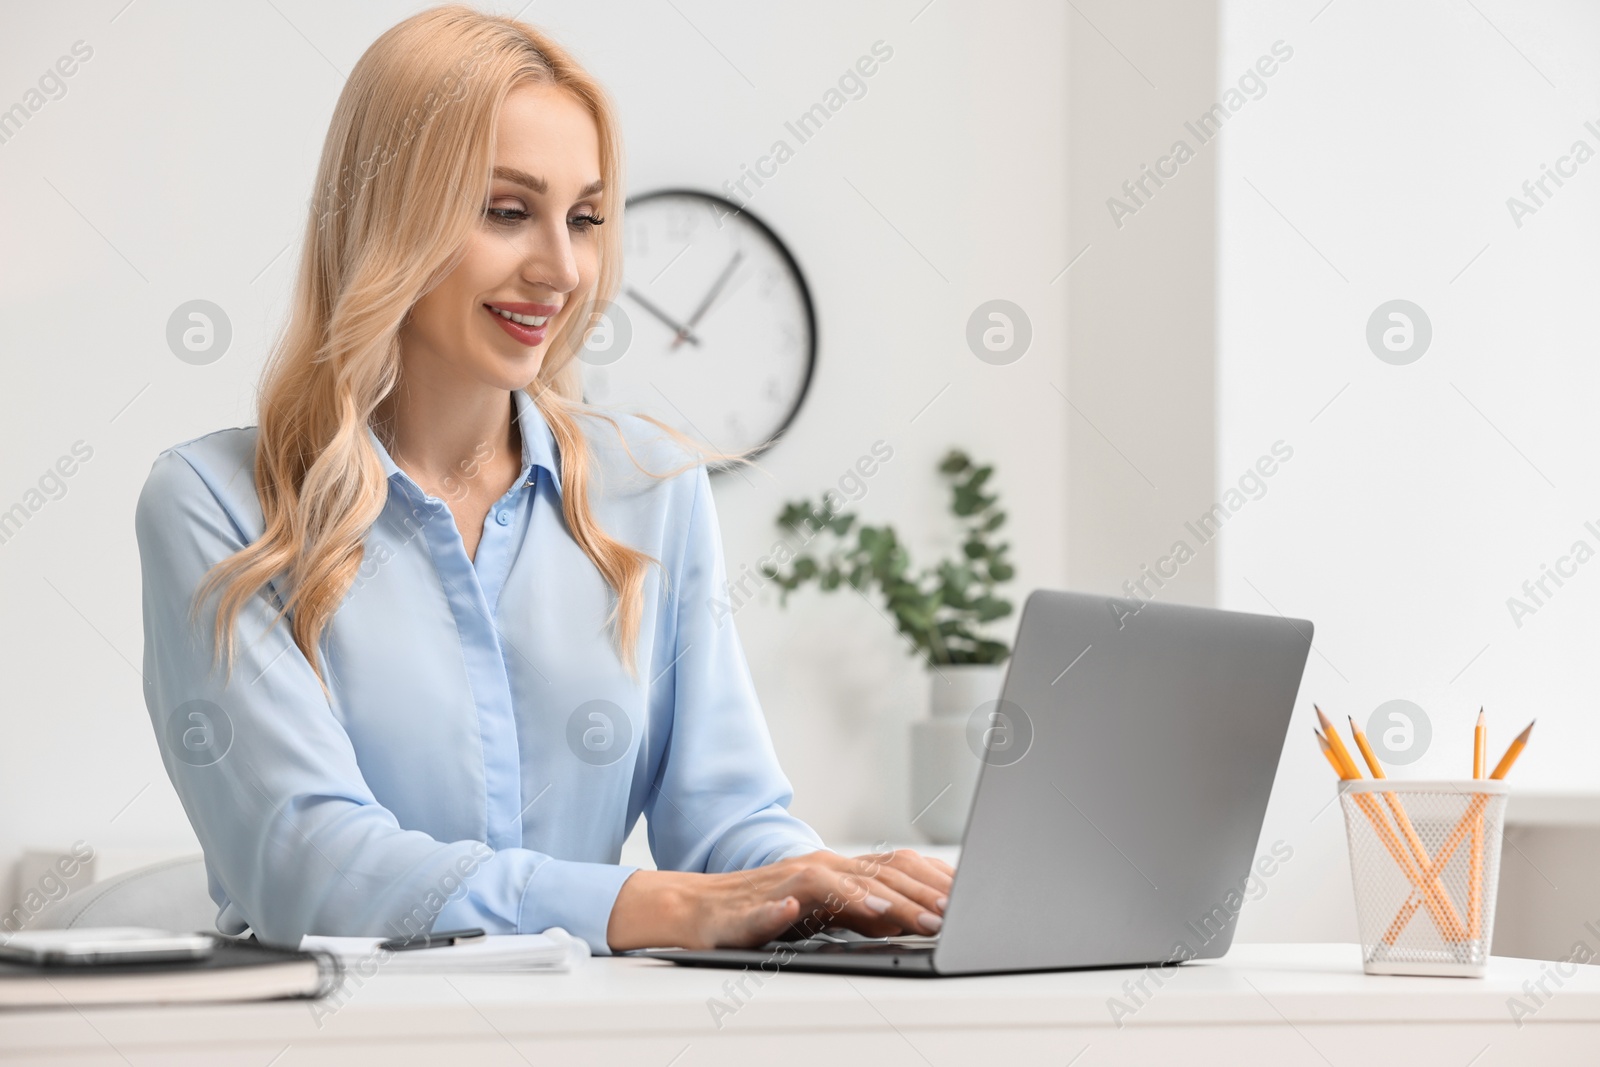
x,y
1366,750
1513,752
1327,750
1480,756
1480,737
1339,751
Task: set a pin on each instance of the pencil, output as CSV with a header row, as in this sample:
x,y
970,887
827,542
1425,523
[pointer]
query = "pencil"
x,y
1475,889
1475,868
1341,753
1366,750
1479,742
1513,752
1327,750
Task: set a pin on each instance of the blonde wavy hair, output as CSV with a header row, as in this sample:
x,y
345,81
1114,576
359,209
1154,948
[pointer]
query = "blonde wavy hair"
x,y
404,174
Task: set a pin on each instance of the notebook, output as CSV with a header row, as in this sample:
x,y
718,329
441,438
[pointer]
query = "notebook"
x,y
554,951
235,970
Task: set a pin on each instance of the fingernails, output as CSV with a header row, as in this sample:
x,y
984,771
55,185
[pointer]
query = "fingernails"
x,y
942,901
878,904
930,922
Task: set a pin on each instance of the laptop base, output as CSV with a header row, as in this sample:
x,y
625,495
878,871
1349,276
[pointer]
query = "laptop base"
x,y
872,957
827,957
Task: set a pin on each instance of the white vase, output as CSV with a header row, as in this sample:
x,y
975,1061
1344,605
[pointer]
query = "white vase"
x,y
944,765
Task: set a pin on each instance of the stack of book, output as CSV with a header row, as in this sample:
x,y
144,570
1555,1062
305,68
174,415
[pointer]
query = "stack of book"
x,y
226,970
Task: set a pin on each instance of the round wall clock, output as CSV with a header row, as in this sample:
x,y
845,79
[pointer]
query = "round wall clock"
x,y
713,330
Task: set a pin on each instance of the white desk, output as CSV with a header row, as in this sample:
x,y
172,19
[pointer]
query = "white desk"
x,y
1267,1004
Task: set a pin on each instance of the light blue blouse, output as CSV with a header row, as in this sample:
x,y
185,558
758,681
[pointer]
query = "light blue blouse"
x,y
485,753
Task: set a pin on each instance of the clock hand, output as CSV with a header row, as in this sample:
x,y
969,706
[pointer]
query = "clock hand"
x,y
683,333
722,279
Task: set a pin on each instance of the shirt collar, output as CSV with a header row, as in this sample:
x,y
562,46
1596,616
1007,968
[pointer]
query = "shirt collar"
x,y
538,443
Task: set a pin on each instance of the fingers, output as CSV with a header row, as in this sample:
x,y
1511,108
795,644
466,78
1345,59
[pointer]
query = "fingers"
x,y
888,903
878,907
910,872
767,920
930,898
906,859
936,873
796,898
879,895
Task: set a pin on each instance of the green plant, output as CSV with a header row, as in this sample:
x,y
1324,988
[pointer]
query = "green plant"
x,y
941,608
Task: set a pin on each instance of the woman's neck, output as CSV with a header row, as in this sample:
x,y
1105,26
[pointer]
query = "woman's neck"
x,y
442,435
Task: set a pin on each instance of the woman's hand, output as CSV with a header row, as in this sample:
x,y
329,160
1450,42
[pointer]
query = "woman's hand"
x,y
880,894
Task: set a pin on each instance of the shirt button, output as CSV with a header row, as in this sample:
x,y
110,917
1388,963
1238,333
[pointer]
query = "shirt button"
x,y
503,518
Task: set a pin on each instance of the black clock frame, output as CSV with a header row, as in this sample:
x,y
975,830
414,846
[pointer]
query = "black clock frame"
x,y
728,207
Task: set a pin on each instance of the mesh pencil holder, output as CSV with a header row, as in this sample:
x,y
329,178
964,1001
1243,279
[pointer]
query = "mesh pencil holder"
x,y
1425,860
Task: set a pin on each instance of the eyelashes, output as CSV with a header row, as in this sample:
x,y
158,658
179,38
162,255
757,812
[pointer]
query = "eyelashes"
x,y
513,216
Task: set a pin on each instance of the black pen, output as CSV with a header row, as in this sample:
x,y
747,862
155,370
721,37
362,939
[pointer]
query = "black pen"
x,y
438,940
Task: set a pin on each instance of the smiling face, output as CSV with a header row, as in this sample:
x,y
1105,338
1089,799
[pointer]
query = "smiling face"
x,y
531,261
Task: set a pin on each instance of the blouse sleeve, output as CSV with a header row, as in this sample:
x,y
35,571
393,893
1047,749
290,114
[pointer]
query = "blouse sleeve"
x,y
720,801
295,841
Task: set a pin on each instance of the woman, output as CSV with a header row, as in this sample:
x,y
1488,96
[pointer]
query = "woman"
x,y
465,620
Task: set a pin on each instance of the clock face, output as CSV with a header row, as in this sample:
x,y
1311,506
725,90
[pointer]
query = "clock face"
x,y
712,331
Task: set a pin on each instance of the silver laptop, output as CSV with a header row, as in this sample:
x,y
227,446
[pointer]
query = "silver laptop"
x,y
1119,802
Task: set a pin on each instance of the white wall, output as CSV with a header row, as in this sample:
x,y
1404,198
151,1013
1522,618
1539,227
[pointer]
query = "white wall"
x,y
1420,497
177,166
1142,289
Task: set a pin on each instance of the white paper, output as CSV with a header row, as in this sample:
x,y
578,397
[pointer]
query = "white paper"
x,y
555,950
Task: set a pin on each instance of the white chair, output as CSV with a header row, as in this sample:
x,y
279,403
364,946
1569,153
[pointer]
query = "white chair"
x,y
171,895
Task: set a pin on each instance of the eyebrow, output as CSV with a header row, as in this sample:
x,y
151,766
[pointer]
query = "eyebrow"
x,y
539,185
